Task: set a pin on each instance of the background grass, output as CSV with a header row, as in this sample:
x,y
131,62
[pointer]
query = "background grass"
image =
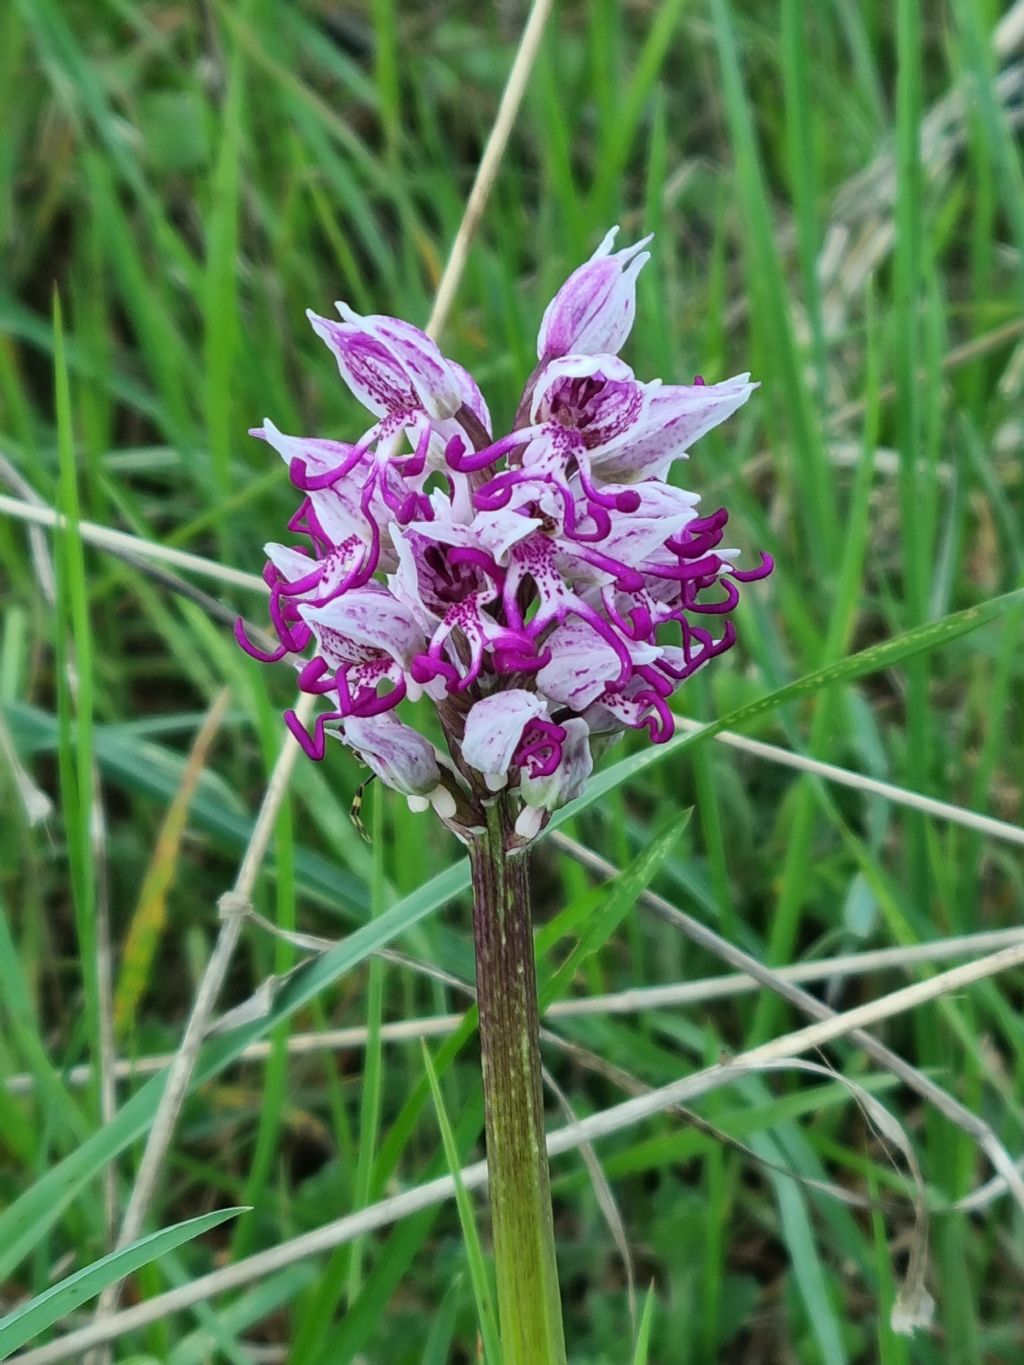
x,y
191,179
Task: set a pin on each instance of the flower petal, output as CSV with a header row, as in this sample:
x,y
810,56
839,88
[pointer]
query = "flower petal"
x,y
399,755
319,456
498,531
663,511
471,395
290,562
582,665
369,619
369,368
438,389
494,727
676,416
593,311
556,379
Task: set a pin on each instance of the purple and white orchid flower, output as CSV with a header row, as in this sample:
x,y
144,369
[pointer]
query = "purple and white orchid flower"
x,y
555,590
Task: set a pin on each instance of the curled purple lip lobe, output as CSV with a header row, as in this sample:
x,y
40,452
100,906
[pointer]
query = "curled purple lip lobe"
x,y
766,566
315,744
253,651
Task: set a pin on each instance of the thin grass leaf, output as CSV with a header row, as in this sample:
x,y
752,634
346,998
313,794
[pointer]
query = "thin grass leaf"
x,y
599,926
931,635
643,1336
34,1317
479,1268
29,1217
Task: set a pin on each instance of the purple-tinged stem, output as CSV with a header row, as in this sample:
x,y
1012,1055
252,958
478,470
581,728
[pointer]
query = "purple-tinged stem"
x,y
529,1304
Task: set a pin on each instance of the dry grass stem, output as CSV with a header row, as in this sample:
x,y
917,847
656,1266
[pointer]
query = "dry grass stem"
x,y
632,1001
831,772
233,907
107,539
911,1076
494,150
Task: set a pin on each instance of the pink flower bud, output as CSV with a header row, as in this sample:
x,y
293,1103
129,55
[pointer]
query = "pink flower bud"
x,y
593,311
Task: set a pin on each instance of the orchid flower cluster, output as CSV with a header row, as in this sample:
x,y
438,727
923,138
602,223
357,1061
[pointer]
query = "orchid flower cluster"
x,y
545,590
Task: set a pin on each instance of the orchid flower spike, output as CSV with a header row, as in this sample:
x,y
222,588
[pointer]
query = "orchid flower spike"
x,y
538,593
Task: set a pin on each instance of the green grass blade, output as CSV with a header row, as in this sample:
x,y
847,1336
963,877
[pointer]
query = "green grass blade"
x,y
28,1321
29,1217
931,635
643,1335
479,1267
599,926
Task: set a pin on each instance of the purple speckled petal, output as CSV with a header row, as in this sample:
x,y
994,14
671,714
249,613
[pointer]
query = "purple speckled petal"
x,y
398,754
558,382
593,311
368,367
471,395
437,388
291,563
494,727
500,530
676,417
363,620
582,665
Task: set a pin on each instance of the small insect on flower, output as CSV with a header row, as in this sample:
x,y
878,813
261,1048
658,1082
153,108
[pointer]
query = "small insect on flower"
x,y
541,590
355,813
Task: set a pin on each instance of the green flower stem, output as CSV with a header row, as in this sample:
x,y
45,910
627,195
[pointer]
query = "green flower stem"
x,y
529,1305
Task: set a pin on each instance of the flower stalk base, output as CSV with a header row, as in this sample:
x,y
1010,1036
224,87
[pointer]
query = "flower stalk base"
x,y
529,1304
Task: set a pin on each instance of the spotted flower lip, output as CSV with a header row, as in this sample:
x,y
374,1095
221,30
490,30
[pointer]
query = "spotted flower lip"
x,y
494,729
536,590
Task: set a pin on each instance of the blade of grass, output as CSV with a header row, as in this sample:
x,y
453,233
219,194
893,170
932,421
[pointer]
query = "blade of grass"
x,y
480,1273
220,297
811,473
75,703
599,926
31,1319
643,1336
874,658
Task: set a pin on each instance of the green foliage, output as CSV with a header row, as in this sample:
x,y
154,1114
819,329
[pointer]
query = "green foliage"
x,y
191,178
